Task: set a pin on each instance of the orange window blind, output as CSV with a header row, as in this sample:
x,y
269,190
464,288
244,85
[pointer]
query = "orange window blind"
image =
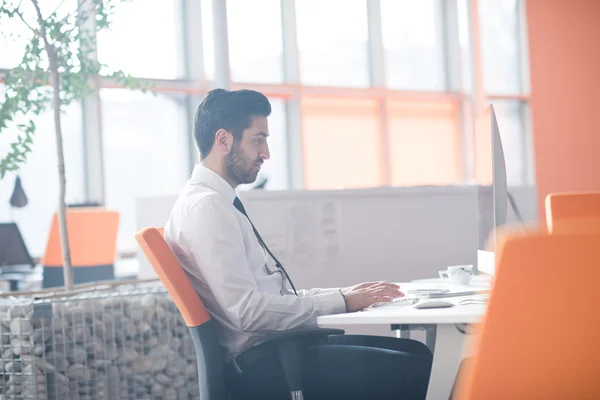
x,y
341,143
484,170
424,141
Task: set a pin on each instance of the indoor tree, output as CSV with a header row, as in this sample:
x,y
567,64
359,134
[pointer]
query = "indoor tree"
x,y
59,66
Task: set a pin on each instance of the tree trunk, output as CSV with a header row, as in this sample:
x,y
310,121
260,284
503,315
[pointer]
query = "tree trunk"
x,y
62,209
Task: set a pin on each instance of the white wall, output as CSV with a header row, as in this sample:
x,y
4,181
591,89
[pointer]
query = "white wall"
x,y
395,234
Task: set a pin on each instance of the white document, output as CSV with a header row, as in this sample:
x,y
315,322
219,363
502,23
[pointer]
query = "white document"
x,y
273,230
329,231
302,243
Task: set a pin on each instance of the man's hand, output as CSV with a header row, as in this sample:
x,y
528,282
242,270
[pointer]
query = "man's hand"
x,y
366,294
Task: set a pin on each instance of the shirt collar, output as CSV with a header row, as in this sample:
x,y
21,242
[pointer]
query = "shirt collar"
x,y
210,178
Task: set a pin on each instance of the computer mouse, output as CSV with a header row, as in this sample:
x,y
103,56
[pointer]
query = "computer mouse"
x,y
434,304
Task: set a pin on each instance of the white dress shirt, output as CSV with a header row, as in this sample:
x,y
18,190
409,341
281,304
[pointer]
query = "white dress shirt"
x,y
237,281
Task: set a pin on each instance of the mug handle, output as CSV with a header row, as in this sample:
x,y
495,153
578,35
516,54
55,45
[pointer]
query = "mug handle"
x,y
444,274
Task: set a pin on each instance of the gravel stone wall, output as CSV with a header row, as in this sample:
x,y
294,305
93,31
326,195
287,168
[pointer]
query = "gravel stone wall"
x,y
121,345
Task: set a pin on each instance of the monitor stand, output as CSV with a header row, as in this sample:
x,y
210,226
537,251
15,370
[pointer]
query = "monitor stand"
x,y
515,208
486,260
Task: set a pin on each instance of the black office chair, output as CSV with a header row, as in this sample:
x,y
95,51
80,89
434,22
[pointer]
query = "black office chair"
x,y
16,264
289,345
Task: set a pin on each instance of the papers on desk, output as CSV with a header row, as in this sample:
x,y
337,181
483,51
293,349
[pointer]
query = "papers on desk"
x,y
449,293
443,290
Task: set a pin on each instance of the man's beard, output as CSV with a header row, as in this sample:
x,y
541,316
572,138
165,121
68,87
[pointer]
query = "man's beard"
x,y
237,168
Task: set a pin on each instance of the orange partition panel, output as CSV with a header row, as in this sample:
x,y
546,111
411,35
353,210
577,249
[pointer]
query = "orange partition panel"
x,y
92,238
565,59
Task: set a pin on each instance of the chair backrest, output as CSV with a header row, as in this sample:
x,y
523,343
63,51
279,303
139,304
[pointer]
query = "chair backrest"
x,y
92,244
202,329
92,238
577,211
172,276
538,339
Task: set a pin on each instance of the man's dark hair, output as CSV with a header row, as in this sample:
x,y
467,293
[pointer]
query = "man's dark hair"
x,y
229,110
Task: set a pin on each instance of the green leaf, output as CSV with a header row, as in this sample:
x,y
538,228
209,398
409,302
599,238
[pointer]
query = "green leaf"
x,y
28,91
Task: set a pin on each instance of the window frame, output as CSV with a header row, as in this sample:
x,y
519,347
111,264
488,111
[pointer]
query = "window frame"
x,y
194,85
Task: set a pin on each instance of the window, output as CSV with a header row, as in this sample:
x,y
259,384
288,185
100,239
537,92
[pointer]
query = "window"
x,y
208,44
464,41
500,43
143,40
332,39
412,39
424,143
13,39
341,142
483,157
276,169
510,115
255,49
500,46
145,152
15,35
39,175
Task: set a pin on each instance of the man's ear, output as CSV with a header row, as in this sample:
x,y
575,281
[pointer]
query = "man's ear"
x,y
223,140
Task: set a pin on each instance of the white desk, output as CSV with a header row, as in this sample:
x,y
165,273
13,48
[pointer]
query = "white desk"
x,y
443,337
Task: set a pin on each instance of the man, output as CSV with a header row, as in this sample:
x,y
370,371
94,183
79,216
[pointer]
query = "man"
x,y
246,289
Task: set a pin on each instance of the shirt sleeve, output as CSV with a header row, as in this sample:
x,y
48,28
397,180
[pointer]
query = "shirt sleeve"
x,y
216,246
315,291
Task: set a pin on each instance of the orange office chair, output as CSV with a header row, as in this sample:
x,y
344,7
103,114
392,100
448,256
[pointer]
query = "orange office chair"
x,y
93,245
290,345
567,212
538,339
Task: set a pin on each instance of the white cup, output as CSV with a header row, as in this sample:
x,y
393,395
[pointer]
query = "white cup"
x,y
459,274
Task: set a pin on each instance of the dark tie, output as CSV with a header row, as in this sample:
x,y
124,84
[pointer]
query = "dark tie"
x,y
237,203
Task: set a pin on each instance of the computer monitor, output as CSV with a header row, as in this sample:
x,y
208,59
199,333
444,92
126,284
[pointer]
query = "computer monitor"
x,y
492,191
13,251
